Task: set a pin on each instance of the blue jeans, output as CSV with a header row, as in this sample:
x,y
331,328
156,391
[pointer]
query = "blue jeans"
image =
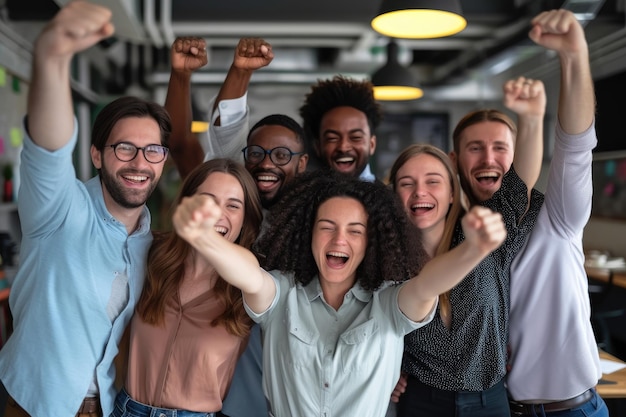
x,y
127,407
421,400
595,407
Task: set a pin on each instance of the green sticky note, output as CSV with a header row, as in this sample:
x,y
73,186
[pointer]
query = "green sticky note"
x,y
16,85
17,137
3,77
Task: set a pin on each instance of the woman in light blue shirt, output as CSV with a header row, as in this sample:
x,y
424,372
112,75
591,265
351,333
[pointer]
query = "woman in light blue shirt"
x,y
332,320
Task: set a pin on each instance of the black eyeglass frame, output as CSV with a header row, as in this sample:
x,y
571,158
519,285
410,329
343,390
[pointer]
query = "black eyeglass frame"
x,y
137,149
271,153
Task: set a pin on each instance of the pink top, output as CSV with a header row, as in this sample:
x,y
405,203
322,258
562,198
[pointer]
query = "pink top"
x,y
187,363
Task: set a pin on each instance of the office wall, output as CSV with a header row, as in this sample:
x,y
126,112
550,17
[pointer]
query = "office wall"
x,y
13,93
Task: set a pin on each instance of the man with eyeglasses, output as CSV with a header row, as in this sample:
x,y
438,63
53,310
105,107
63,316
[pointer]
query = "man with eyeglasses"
x,y
273,150
84,245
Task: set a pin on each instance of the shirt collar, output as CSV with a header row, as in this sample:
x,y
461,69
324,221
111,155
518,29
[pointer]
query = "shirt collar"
x,y
314,290
94,188
367,175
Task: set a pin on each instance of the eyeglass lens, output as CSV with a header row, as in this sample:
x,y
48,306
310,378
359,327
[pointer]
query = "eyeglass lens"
x,y
255,154
126,152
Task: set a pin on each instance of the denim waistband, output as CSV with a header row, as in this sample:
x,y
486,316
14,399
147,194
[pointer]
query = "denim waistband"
x,y
137,409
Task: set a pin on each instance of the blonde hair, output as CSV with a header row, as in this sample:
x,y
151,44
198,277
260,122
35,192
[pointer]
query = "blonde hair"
x,y
455,211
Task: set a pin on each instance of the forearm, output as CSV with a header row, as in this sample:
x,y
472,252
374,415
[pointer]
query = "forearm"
x,y
185,149
50,108
529,149
577,101
235,85
439,275
239,267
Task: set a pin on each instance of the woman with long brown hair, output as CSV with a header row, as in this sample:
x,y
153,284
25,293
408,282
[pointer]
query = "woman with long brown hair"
x,y
190,325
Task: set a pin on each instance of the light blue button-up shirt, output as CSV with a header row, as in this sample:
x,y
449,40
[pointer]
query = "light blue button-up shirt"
x,y
72,253
318,361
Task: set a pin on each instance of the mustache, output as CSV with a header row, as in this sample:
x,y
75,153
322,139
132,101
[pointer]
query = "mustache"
x,y
258,171
142,172
341,154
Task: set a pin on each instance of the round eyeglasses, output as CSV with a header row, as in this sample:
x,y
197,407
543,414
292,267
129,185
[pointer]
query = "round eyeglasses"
x,y
126,152
280,155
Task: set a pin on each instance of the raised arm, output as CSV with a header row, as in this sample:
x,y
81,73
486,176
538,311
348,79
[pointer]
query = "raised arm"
x,y
187,55
560,31
76,27
527,98
484,231
250,55
194,221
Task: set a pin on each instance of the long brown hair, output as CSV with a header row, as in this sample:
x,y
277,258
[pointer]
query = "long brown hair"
x,y
455,211
168,253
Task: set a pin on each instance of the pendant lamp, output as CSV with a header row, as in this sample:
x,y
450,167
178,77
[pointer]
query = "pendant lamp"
x,y
419,19
393,81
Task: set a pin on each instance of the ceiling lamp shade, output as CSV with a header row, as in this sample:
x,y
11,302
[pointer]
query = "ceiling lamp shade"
x,y
419,19
393,81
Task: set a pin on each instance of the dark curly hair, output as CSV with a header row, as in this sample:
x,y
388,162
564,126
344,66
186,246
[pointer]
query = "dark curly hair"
x,y
337,92
393,253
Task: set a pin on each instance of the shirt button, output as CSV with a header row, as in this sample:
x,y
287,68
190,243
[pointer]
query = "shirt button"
x,y
326,384
223,105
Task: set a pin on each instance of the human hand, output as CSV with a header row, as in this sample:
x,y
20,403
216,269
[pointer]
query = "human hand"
x,y
188,53
483,229
252,54
525,97
560,31
76,27
196,216
399,389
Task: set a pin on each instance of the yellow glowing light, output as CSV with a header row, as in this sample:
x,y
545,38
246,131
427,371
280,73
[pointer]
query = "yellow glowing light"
x,y
418,24
397,92
199,127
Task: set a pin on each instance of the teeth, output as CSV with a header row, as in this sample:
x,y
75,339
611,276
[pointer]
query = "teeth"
x,y
267,178
221,230
490,174
346,159
337,254
137,178
422,205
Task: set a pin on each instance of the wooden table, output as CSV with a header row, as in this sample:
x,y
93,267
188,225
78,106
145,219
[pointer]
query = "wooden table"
x,y
616,276
614,385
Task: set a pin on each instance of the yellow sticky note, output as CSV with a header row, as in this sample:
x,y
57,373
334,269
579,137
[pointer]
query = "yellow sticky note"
x,y
17,137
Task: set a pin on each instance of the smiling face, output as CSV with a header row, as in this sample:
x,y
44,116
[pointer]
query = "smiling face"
x,y
270,179
346,142
485,155
127,185
425,189
228,194
339,242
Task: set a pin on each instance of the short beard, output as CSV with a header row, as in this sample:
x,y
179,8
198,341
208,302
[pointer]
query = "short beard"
x,y
129,199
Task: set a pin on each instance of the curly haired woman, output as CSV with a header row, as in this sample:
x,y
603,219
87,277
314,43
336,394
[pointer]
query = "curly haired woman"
x,y
333,321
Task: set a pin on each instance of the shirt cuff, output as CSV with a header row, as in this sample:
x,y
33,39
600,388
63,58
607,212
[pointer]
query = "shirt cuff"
x,y
230,111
